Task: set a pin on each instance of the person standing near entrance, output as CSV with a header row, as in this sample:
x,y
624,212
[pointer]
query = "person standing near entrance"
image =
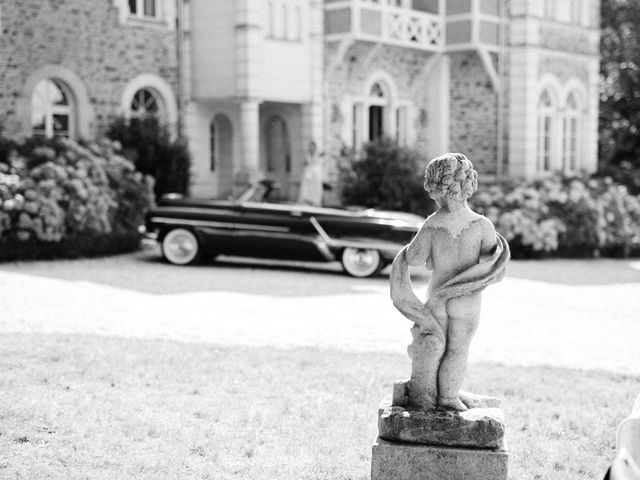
x,y
311,182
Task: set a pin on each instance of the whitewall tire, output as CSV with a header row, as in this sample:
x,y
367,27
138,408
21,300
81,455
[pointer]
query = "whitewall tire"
x,y
180,247
361,262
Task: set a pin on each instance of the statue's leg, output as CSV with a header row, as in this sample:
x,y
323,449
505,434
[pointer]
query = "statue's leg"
x,y
425,352
464,316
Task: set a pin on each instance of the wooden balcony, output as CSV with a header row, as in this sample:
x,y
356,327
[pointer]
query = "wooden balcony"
x,y
432,25
386,21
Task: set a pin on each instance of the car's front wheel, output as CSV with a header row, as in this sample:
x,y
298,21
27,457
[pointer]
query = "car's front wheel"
x,y
361,262
180,247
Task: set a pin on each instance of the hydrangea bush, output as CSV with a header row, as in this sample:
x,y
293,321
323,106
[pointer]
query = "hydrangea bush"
x,y
564,215
60,198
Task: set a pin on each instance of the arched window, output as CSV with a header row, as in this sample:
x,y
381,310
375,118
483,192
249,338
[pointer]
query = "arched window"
x,y
571,137
147,103
546,127
51,110
378,112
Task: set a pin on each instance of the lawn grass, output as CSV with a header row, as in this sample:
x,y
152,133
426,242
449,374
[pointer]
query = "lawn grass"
x,y
89,407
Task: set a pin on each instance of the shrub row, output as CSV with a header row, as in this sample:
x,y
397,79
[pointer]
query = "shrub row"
x,y
385,176
556,215
59,198
563,215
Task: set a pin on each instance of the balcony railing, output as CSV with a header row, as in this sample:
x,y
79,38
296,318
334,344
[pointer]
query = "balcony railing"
x,y
386,21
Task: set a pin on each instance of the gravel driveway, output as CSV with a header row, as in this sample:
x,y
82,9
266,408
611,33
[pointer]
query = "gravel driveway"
x,y
578,314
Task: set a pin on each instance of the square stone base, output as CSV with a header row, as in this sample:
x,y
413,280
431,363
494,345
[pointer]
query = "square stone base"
x,y
404,461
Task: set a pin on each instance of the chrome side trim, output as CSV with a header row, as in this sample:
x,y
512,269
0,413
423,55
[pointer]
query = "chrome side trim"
x,y
321,231
388,248
193,223
267,228
210,223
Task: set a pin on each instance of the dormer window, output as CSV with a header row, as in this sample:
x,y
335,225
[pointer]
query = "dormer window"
x,y
144,8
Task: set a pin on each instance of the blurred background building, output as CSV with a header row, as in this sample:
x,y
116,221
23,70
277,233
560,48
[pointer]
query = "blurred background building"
x,y
249,83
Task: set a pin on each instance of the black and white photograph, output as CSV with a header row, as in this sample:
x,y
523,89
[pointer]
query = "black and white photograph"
x,y
320,239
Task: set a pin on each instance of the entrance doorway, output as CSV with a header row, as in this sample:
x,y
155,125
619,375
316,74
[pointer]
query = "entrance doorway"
x,y
376,123
278,154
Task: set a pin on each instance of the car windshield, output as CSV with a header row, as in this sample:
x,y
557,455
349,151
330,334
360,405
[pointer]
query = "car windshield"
x,y
263,191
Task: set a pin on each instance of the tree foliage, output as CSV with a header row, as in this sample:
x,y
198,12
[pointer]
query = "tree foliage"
x,y
620,84
151,148
386,177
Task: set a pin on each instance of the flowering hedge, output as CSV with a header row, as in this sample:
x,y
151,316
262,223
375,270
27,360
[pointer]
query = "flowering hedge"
x,y
564,216
59,198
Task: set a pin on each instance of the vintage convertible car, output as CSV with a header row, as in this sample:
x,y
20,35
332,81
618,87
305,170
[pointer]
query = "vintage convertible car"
x,y
364,240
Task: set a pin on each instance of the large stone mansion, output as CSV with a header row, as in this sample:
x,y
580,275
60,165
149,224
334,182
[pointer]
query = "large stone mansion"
x,y
513,84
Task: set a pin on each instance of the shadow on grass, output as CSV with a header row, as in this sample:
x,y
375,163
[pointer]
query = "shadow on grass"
x,y
145,271
93,407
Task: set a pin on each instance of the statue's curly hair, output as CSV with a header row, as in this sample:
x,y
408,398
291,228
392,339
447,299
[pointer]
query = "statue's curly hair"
x,y
450,175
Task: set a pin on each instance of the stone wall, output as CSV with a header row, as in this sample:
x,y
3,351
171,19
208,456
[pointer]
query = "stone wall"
x,y
473,110
346,77
87,38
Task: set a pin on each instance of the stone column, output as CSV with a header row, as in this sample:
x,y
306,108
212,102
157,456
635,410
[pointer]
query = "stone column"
x,y
312,112
249,169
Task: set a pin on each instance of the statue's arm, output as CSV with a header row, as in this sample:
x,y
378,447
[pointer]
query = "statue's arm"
x,y
489,239
417,252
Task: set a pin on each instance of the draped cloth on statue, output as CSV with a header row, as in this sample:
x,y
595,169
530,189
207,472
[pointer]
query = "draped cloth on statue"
x,y
490,269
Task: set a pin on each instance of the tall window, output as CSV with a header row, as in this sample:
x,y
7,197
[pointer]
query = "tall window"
x,y
378,104
550,9
546,113
571,140
356,126
146,103
378,113
144,8
284,20
213,145
296,25
51,110
271,19
576,12
401,126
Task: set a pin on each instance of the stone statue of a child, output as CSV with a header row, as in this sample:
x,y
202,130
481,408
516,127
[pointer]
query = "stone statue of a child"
x,y
466,254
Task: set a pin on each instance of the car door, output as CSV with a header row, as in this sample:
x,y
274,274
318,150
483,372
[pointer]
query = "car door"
x,y
276,231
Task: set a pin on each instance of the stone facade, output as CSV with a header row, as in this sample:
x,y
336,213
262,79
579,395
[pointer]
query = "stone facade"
x,y
429,78
474,112
87,45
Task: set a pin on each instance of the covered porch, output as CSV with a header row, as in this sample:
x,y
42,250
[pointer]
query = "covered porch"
x,y
234,144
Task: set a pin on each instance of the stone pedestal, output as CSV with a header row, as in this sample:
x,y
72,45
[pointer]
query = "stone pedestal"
x,y
414,444
482,426
404,461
